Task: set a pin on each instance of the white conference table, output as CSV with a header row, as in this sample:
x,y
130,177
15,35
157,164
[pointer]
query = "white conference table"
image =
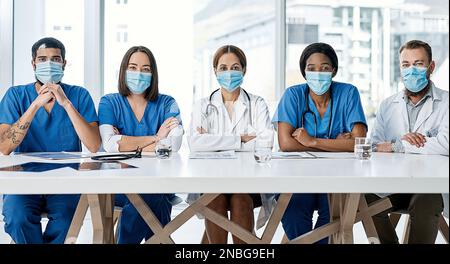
x,y
348,177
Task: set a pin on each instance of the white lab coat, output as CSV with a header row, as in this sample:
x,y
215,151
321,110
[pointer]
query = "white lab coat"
x,y
228,136
110,141
392,123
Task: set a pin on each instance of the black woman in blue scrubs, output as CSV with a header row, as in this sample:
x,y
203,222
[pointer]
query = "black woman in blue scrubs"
x,y
319,115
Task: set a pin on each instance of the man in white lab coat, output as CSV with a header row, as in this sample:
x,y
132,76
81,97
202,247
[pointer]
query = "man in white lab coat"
x,y
413,121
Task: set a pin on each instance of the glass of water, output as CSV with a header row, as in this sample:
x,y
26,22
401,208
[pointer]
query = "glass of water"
x,y
363,148
263,151
163,148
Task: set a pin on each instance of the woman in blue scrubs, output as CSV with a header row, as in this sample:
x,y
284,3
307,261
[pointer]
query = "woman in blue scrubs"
x,y
320,115
138,117
45,116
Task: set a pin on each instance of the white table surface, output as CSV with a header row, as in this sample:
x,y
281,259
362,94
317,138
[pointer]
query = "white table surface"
x,y
384,173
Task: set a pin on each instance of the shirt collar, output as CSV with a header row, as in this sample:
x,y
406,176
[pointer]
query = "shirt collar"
x,y
217,97
429,94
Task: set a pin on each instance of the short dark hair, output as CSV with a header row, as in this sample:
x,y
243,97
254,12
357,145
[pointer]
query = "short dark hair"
x,y
417,44
230,49
46,43
322,48
150,94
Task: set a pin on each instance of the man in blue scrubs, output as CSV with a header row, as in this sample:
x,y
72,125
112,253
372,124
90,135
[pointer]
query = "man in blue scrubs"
x,y
45,116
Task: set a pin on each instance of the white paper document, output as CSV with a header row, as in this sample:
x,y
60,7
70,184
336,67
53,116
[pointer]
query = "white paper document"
x,y
292,155
213,155
313,155
334,155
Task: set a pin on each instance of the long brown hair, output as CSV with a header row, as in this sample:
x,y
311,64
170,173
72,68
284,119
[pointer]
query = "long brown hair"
x,y
152,92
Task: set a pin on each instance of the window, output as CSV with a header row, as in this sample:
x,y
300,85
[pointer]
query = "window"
x,y
166,28
367,37
250,25
184,39
35,19
301,33
184,35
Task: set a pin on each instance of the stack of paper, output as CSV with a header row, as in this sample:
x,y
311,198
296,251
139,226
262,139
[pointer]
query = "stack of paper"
x,y
57,155
313,155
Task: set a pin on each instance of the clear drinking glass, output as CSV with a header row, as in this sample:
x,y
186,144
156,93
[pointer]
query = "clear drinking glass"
x,y
363,148
263,151
163,148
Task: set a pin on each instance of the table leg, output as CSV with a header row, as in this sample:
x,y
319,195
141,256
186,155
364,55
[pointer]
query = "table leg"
x,y
244,234
77,220
149,217
109,218
336,228
235,229
443,228
200,206
368,224
336,210
348,218
101,207
276,217
182,218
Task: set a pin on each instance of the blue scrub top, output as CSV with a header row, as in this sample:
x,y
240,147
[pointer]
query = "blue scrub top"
x,y
48,132
347,110
115,110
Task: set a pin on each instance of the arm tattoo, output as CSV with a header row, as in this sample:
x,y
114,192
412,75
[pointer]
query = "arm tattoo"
x,y
24,126
15,133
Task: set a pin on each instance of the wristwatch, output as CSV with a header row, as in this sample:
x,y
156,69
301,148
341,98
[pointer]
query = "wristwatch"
x,y
374,147
397,146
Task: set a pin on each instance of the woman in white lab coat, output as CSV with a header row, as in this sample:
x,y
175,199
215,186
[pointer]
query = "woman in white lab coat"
x,y
231,119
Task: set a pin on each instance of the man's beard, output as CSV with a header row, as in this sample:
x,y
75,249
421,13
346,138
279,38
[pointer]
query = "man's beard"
x,y
421,93
39,82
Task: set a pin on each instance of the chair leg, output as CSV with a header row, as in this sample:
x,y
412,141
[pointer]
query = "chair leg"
x,y
395,218
205,239
443,228
406,230
116,218
285,239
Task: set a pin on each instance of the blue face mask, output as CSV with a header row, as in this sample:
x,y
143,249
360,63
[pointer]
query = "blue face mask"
x,y
49,72
138,82
230,80
415,78
319,82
